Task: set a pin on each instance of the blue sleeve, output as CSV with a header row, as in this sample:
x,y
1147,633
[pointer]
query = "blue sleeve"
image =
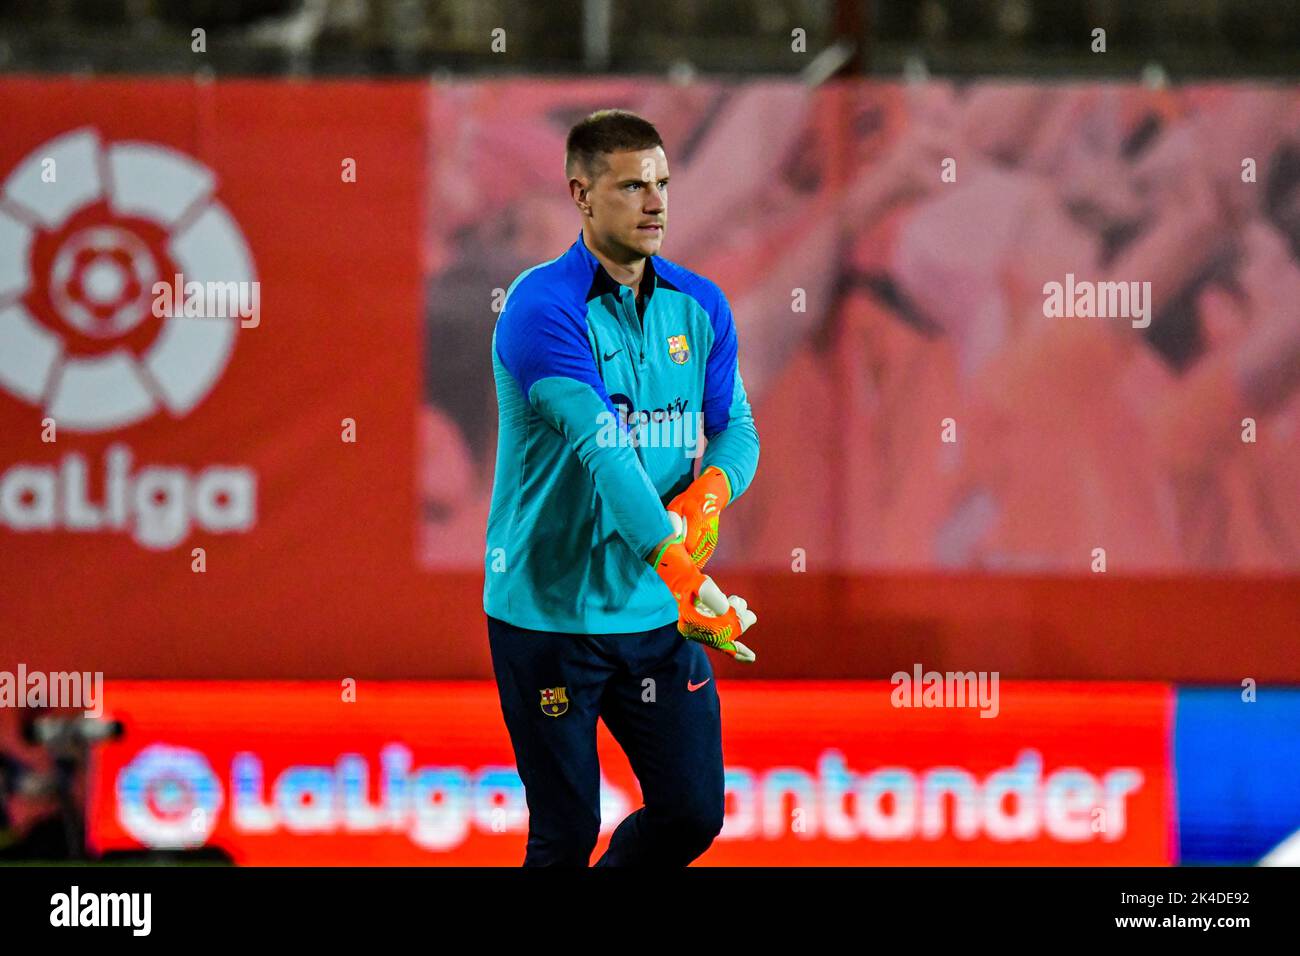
x,y
545,349
728,420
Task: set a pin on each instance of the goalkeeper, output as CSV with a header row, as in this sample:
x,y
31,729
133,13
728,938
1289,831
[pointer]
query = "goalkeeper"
x,y
596,603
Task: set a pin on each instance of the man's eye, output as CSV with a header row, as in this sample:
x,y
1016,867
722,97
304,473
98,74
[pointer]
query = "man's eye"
x,y
632,186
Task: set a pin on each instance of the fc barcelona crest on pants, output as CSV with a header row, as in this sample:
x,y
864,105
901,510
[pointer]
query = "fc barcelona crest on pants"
x,y
555,701
678,349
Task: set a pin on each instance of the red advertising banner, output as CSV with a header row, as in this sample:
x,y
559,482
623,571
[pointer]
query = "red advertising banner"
x,y
818,773
280,467
131,439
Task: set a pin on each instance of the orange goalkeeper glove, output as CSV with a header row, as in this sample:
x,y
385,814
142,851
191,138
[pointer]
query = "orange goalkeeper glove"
x,y
704,613
701,505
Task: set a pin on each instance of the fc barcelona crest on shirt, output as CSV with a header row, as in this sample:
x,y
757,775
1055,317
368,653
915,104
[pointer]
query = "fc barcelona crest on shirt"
x,y
678,350
555,701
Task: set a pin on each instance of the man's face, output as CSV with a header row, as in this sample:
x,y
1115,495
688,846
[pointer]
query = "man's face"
x,y
629,202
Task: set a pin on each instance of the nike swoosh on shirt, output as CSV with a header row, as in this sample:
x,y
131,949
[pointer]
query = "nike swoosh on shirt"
x,y
695,687
612,354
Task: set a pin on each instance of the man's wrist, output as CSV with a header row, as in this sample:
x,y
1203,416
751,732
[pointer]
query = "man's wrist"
x,y
657,552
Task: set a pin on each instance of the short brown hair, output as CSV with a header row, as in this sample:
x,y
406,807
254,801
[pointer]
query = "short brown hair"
x,y
606,131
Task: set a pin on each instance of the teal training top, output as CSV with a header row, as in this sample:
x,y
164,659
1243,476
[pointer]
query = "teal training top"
x,y
602,404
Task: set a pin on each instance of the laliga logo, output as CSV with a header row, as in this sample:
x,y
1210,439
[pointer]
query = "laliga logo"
x,y
87,230
168,797
85,251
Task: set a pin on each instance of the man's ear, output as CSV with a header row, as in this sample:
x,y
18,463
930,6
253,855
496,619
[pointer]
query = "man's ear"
x,y
578,192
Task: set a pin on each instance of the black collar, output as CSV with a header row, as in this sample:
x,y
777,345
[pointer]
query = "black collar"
x,y
602,282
